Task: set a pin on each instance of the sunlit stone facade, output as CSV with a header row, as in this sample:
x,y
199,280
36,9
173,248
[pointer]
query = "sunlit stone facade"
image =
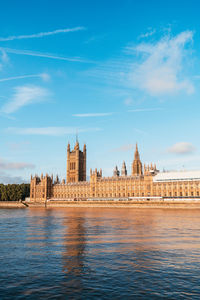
x,y
144,182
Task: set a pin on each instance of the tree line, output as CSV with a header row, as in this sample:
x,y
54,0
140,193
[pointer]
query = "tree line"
x,y
14,192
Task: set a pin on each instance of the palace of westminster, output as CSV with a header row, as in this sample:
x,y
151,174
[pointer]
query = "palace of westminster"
x,y
144,182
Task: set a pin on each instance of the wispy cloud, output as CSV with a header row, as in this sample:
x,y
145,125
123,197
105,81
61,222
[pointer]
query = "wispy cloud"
x,y
15,165
93,115
40,34
140,131
160,69
18,146
123,148
3,58
147,34
49,131
128,101
9,179
182,148
24,95
45,55
180,162
96,38
43,76
144,109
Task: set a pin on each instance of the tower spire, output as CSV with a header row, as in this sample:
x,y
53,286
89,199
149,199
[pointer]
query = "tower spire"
x,y
76,135
77,143
137,156
137,165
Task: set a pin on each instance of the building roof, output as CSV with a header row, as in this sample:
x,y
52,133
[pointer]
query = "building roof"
x,y
177,176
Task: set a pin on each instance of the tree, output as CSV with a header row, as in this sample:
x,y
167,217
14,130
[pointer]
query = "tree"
x,y
14,192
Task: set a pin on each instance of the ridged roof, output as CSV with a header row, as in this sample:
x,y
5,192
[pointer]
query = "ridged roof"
x,y
177,176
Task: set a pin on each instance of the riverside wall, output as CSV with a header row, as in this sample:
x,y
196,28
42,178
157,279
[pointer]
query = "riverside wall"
x,y
186,204
195,204
12,204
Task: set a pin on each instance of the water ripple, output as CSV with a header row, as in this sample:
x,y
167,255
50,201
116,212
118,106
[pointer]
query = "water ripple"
x,y
99,253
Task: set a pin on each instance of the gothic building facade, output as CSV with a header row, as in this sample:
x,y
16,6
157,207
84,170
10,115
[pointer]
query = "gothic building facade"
x,y
145,182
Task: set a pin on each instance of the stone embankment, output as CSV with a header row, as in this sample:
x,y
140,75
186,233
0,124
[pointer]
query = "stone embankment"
x,y
178,203
121,204
12,204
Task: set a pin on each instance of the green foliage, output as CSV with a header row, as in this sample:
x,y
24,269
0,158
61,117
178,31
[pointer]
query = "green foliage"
x,y
14,192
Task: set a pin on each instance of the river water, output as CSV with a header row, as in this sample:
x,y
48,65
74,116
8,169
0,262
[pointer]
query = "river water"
x,y
99,253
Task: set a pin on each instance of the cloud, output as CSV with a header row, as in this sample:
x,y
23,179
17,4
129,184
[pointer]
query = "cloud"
x,y
140,131
15,165
123,148
9,179
3,59
4,56
49,131
181,162
18,146
24,95
43,76
96,38
93,115
144,109
40,34
147,34
45,55
128,101
160,69
182,148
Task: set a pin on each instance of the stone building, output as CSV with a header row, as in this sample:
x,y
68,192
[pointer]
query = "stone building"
x,y
76,164
144,182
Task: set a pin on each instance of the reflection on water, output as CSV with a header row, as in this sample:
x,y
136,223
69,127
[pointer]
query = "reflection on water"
x,y
99,253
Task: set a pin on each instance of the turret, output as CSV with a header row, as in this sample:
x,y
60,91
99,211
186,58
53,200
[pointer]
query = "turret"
x,y
136,165
57,181
76,145
136,155
68,147
116,172
95,173
124,170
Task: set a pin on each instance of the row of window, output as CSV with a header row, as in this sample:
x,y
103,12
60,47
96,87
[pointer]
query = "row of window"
x,y
72,166
170,194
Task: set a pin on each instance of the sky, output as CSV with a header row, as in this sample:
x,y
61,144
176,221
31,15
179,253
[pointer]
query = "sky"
x,y
116,73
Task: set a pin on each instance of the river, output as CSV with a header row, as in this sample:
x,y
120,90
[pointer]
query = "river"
x,y
99,253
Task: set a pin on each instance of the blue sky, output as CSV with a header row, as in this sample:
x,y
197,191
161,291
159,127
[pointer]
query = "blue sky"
x,y
117,72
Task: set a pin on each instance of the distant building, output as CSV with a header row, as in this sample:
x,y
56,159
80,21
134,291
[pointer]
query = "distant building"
x,y
144,181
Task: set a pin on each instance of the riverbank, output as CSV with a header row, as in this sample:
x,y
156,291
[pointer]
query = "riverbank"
x,y
195,204
127,204
12,204
190,204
